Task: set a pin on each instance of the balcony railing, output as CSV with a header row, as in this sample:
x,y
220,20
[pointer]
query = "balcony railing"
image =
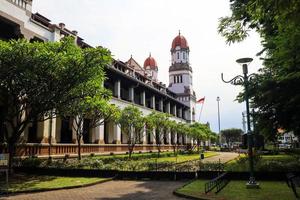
x,y
20,3
36,149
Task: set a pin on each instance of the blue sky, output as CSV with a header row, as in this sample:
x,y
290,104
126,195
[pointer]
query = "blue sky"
x,y
138,27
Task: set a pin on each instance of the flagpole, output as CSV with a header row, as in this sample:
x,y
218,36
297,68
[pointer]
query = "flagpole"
x,y
201,112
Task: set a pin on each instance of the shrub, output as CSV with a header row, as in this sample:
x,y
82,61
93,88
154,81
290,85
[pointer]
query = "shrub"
x,y
31,162
97,164
67,156
212,166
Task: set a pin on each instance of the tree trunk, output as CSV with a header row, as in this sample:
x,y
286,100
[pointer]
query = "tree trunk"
x,y
198,145
130,150
11,153
79,147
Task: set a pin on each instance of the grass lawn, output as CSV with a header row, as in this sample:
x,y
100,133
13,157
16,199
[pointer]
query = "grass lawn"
x,y
186,157
22,183
236,190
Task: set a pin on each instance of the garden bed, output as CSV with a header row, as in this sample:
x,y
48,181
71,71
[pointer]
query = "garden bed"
x,y
138,162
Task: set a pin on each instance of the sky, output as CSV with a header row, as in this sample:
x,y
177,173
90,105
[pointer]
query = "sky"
x,y
140,27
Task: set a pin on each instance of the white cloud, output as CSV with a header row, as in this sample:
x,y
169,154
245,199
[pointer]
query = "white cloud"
x,y
138,27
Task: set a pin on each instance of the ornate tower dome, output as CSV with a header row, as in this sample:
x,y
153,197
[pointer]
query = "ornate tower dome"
x,y
150,63
150,67
180,51
181,74
179,41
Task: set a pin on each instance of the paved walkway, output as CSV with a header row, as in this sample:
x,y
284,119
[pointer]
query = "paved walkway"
x,y
223,156
117,189
125,190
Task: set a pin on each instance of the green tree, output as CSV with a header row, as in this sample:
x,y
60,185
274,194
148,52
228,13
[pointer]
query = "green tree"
x,y
183,129
91,111
132,124
173,126
36,78
214,137
231,135
275,92
160,123
199,132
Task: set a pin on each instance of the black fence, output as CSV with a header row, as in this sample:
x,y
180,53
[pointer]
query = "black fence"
x,y
219,183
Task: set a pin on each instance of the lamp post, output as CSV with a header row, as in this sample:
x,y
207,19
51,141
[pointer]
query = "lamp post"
x,y
244,80
218,101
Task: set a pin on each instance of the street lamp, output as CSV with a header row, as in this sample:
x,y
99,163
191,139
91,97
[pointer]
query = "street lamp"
x,y
218,100
244,80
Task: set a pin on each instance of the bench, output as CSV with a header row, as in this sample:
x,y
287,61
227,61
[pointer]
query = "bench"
x,y
219,183
293,181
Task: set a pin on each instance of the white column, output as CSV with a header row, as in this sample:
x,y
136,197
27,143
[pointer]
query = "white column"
x,y
187,139
180,112
169,137
143,98
131,94
152,137
161,105
153,102
99,134
53,130
117,89
175,110
117,134
144,135
175,137
168,107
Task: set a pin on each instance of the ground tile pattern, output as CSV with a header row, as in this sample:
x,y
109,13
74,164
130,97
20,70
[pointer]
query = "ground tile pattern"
x,y
223,156
125,190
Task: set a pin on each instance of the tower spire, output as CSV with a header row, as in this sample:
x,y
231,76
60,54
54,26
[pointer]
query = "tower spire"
x,y
179,32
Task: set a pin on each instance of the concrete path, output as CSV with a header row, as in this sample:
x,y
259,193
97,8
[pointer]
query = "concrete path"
x,y
125,190
117,189
223,156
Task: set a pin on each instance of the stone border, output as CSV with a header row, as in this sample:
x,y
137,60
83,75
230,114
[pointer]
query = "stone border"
x,y
52,189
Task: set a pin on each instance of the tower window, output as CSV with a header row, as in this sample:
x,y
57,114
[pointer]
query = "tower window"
x,y
183,55
177,55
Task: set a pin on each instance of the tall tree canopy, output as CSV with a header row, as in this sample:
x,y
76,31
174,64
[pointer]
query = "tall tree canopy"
x,y
132,125
232,135
36,78
159,122
275,92
90,111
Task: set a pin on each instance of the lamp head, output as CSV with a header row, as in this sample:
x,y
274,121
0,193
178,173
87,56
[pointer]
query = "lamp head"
x,y
244,62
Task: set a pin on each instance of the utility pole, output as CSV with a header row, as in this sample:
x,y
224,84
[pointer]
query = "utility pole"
x,y
244,121
219,124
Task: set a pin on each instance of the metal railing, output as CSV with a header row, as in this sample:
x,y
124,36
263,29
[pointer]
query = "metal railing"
x,y
219,183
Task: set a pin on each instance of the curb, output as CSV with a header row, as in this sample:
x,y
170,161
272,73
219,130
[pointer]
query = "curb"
x,y
53,189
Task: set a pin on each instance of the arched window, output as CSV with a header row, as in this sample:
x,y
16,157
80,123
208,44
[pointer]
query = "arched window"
x,y
177,55
183,55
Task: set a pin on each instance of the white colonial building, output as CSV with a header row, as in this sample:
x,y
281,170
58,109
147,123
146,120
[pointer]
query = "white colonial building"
x,y
129,82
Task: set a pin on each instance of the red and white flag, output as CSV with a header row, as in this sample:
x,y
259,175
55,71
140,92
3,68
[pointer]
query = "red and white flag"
x,y
201,100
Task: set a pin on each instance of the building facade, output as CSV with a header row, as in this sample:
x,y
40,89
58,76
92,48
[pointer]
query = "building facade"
x,y
130,83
